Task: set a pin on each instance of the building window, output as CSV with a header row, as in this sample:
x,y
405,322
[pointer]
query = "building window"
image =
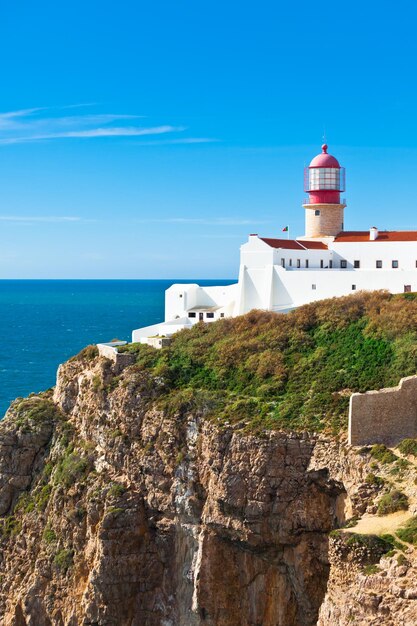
x,y
221,314
298,263
407,288
191,314
316,212
356,264
353,287
307,263
210,315
395,264
343,264
290,263
282,262
180,296
379,265
416,263
321,263
330,264
313,286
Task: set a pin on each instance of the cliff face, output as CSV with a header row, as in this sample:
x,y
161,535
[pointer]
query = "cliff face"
x,y
119,508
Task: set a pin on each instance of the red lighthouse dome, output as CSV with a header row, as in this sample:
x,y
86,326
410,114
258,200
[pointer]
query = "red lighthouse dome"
x,y
324,179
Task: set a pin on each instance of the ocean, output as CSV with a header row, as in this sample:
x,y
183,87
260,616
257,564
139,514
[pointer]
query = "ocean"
x,y
44,322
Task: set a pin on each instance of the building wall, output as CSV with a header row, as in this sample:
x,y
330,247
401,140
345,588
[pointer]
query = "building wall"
x,y
180,298
405,252
387,416
296,287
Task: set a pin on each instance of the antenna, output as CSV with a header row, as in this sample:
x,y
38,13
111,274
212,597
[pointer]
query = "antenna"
x,y
324,134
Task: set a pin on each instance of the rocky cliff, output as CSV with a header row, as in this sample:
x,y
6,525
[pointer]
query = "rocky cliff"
x,y
121,508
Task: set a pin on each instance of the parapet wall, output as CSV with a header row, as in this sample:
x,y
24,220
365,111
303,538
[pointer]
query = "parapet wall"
x,y
386,416
109,351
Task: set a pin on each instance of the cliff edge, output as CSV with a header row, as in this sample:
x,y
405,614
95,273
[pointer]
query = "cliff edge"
x,y
127,498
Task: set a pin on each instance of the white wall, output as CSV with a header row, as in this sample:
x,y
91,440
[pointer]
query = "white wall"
x,y
295,288
165,329
405,252
180,298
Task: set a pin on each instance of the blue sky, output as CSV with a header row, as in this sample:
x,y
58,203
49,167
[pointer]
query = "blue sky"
x,y
147,139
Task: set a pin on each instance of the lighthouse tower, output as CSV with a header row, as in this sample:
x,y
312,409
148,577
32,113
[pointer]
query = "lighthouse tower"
x,y
324,179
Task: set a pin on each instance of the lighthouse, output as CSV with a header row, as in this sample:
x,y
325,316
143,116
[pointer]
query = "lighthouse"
x,y
324,180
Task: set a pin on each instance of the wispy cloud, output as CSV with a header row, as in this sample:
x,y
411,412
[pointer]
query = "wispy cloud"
x,y
44,124
124,131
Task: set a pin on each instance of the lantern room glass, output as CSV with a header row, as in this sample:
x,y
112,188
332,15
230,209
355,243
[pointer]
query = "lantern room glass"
x,y
324,178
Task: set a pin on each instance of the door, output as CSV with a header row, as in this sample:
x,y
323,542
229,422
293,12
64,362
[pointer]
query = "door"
x,y
201,317
407,288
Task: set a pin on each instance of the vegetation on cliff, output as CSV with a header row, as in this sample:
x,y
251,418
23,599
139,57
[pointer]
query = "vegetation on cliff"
x,y
113,485
296,370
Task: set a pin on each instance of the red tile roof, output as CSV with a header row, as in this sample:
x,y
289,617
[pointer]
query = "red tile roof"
x,y
292,244
314,245
383,235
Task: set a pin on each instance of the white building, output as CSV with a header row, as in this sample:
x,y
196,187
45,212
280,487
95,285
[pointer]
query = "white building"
x,y
281,274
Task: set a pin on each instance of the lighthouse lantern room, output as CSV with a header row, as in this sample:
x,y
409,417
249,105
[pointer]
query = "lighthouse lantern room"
x,y
324,180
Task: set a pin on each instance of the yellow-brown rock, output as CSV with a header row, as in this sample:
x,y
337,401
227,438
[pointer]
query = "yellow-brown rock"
x,y
120,511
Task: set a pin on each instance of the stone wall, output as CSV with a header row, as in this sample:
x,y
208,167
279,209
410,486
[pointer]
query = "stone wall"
x,y
386,416
328,223
158,342
109,351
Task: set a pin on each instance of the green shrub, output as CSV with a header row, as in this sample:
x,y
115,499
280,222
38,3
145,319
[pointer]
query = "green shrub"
x,y
25,503
71,468
97,383
408,447
372,546
397,545
49,535
114,510
392,502
400,466
35,410
402,560
116,490
86,354
64,559
10,526
42,496
409,532
131,348
368,570
373,479
383,454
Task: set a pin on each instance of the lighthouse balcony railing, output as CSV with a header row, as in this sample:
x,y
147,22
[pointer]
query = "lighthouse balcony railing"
x,y
307,201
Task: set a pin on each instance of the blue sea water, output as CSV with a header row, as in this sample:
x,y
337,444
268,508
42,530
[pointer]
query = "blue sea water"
x,y
44,322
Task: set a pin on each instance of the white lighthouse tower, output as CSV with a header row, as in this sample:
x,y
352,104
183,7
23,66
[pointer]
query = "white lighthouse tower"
x,y
324,180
